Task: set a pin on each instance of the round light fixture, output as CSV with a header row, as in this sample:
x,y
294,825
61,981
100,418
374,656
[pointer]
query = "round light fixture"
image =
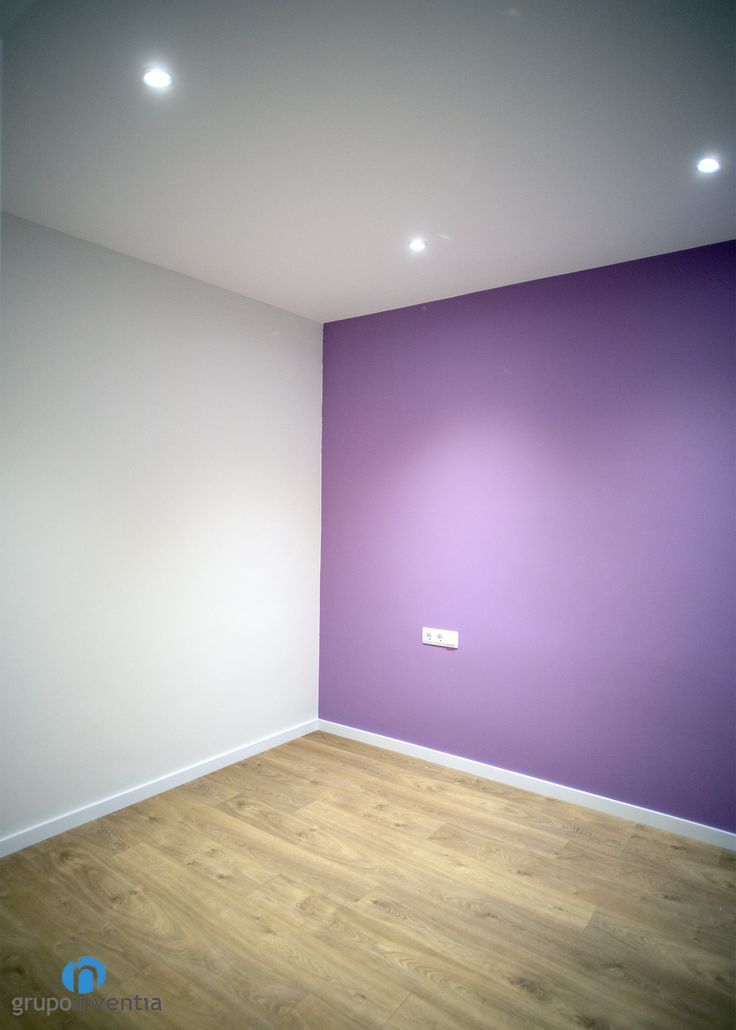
x,y
708,165
418,245
157,78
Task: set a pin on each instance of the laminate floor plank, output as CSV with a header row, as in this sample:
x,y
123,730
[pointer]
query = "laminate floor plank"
x,y
702,982
262,783
382,815
445,799
417,1014
491,874
402,957
331,885
524,807
265,941
678,905
315,1014
197,928
553,976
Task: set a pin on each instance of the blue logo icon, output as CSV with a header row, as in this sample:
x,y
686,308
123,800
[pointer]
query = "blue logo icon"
x,y
84,976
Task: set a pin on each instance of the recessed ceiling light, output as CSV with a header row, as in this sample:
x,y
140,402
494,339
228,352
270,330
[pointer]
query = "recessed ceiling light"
x,y
418,245
157,78
708,165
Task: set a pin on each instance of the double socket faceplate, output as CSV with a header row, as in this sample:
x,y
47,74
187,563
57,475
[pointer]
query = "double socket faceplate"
x,y
440,637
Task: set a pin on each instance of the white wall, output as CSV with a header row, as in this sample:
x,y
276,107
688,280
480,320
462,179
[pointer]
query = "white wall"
x,y
160,449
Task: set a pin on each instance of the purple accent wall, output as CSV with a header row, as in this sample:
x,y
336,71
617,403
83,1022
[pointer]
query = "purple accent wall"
x,y
549,469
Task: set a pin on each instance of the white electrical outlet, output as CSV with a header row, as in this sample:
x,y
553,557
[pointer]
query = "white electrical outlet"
x,y
440,637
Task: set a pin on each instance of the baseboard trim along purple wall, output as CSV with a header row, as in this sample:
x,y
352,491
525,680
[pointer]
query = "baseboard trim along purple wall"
x,y
105,806
634,813
548,469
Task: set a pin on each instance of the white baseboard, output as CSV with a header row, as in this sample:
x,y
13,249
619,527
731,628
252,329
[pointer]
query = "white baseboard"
x,y
67,821
659,820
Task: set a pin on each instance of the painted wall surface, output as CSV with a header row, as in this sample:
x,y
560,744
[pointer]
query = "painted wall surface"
x,y
547,468
160,450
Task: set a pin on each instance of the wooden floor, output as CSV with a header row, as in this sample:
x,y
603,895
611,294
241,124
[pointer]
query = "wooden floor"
x,y
330,885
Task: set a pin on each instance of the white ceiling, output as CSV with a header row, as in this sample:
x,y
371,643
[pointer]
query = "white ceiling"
x,y
305,141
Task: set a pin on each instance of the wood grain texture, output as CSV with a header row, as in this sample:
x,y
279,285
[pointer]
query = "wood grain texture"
x,y
330,885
